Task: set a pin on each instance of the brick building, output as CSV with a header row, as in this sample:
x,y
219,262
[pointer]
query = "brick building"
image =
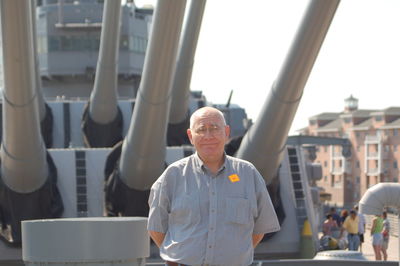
x,y
375,154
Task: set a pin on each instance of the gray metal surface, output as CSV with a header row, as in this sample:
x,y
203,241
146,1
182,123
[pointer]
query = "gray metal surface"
x,y
325,263
339,255
143,150
23,155
185,61
38,80
86,241
264,143
274,263
103,99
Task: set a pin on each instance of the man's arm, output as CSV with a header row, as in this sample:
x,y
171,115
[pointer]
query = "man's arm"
x,y
157,237
157,224
256,239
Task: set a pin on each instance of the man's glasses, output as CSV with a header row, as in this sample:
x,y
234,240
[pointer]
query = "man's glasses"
x,y
212,130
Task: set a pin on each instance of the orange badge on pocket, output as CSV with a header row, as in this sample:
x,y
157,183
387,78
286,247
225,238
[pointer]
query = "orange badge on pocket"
x,y
234,178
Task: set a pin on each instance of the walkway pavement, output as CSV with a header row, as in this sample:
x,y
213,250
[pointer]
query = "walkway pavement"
x,y
393,249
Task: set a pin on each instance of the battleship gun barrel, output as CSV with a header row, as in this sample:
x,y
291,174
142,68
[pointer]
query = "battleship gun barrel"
x,y
264,143
102,118
143,149
23,154
185,61
103,99
28,187
38,81
45,113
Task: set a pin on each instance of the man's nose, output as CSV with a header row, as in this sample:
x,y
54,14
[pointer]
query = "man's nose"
x,y
209,133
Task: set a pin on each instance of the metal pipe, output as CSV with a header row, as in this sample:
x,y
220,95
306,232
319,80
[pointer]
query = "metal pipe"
x,y
379,196
185,61
23,154
103,107
143,149
264,143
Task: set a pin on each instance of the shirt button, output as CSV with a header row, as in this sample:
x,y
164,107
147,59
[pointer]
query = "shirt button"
x,y
212,210
213,193
209,246
212,228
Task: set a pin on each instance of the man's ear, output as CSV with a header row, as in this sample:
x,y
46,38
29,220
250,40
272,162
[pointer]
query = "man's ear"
x,y
227,131
189,133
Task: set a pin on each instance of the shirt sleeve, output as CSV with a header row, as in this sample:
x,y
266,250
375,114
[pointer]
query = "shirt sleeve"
x,y
159,204
266,220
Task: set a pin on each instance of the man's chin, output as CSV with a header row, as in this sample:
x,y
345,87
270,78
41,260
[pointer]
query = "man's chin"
x,y
210,154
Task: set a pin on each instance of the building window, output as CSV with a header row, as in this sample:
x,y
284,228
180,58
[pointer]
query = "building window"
x,y
332,180
347,120
395,164
358,164
326,178
395,148
386,148
357,134
378,118
338,181
325,164
395,132
357,180
386,167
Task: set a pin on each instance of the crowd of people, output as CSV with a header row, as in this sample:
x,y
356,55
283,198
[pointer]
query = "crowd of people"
x,y
348,229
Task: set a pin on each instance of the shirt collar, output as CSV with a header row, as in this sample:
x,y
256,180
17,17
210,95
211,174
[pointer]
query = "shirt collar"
x,y
201,167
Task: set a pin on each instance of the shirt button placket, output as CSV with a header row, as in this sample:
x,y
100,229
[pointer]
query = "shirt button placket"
x,y
212,221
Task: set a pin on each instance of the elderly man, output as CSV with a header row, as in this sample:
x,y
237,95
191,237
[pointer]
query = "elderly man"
x,y
209,208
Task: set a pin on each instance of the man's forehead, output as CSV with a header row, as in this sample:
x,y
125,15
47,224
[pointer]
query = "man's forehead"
x,y
208,119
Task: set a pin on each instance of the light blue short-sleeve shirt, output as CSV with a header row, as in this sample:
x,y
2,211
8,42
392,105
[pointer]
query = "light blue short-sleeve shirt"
x,y
210,219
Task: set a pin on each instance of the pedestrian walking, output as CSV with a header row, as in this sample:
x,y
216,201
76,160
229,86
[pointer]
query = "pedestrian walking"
x,y
385,235
361,226
376,233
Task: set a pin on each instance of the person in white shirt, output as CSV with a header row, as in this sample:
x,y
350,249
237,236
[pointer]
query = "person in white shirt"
x,y
361,226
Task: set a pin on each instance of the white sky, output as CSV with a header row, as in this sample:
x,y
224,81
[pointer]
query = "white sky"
x,y
243,44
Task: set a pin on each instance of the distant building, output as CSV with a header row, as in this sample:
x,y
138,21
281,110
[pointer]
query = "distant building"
x,y
374,135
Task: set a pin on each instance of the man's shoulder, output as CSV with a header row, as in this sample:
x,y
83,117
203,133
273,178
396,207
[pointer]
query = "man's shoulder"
x,y
173,171
239,162
181,162
179,165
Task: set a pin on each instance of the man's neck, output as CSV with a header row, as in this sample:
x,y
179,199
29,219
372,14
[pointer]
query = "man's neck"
x,y
213,165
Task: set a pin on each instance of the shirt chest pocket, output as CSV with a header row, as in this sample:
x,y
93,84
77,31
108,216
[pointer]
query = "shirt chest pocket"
x,y
185,210
238,210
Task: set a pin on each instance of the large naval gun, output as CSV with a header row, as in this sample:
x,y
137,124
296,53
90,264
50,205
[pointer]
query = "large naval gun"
x,y
123,174
28,187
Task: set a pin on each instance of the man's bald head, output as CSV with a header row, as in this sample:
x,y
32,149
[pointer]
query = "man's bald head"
x,y
206,111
